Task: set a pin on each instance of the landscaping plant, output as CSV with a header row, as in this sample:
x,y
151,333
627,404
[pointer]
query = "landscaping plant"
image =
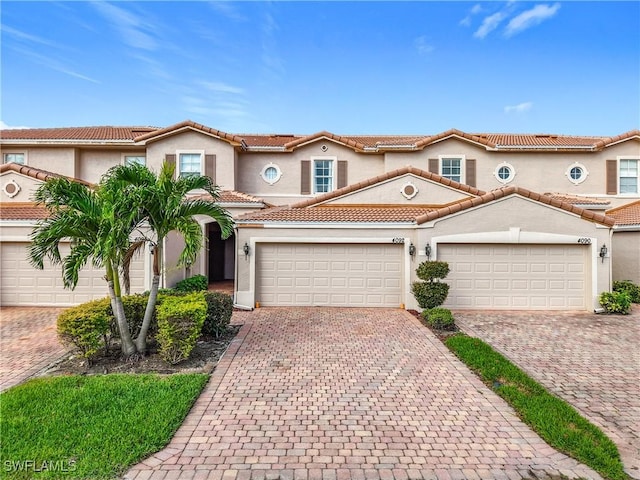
x,y
197,283
439,318
180,321
616,302
431,292
629,287
219,311
86,326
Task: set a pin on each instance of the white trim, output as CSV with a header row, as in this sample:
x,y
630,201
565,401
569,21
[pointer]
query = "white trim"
x,y
406,195
512,173
24,154
583,177
334,172
264,171
628,157
123,157
463,166
189,152
327,225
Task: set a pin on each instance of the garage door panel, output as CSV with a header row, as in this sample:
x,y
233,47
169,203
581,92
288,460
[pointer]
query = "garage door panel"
x,y
23,285
341,274
538,277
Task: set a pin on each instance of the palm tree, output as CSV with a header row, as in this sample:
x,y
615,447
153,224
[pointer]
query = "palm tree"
x,y
162,202
98,223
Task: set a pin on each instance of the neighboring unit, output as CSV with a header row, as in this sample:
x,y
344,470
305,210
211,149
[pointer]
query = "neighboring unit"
x,y
345,220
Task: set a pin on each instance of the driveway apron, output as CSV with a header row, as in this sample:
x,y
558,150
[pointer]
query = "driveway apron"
x,y
28,342
591,361
338,394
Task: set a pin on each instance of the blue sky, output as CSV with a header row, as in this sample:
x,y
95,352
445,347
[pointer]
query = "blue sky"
x,y
347,67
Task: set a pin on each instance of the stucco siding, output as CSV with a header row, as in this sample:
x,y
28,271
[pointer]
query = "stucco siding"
x,y
93,164
26,187
626,259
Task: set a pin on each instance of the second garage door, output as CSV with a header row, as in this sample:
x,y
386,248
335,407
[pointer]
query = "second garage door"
x,y
354,275
518,277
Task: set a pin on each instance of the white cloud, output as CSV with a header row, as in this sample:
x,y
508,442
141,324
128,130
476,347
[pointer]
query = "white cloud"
x,y
489,24
18,34
54,64
466,21
519,108
4,126
422,46
133,28
228,9
220,87
530,18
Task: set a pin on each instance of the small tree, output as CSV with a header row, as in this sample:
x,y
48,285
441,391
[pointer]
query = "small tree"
x,y
431,292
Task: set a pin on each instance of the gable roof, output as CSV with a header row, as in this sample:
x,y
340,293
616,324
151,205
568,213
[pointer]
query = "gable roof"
x,y
626,215
22,211
189,125
232,196
579,199
36,173
383,178
77,134
523,192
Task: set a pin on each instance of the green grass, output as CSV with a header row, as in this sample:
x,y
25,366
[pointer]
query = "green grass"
x,y
557,422
91,427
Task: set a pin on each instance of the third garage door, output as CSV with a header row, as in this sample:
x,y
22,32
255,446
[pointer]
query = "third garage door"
x,y
517,277
362,275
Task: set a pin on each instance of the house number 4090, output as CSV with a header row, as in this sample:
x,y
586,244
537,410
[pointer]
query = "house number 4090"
x,y
397,240
584,241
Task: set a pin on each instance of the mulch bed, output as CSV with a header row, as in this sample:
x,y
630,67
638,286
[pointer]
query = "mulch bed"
x,y
203,359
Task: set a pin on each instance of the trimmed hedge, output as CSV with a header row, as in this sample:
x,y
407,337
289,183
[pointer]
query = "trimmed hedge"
x,y
629,287
197,283
180,321
86,326
431,293
219,311
615,302
439,318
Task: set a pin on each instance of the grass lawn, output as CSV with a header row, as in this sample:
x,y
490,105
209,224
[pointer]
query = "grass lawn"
x,y
90,426
557,422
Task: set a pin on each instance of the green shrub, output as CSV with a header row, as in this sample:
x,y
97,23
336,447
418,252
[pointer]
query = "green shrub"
x,y
219,311
134,308
616,302
430,295
629,287
180,321
439,318
87,326
196,283
432,270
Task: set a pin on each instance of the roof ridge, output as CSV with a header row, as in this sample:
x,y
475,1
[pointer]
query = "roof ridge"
x,y
38,173
622,207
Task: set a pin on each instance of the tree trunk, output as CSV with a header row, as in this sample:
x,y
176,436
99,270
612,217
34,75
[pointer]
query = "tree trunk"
x,y
141,341
128,347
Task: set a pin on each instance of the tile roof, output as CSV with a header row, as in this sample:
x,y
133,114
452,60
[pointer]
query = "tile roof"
x,y
579,200
188,124
342,214
523,192
36,173
230,196
104,133
626,215
22,211
388,176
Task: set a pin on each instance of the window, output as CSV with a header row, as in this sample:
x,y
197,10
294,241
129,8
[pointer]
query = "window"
x,y
13,158
135,160
271,173
451,168
322,175
576,173
628,175
504,172
189,164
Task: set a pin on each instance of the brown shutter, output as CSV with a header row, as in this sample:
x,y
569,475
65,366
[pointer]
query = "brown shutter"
x,y
434,165
470,172
305,177
612,177
170,158
210,167
342,173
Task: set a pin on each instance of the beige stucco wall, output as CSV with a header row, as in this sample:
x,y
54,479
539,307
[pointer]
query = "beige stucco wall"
x,y
287,190
626,258
93,164
58,160
515,219
27,185
193,141
389,192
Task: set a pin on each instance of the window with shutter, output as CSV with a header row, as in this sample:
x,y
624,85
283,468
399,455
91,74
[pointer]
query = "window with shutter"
x,y
305,177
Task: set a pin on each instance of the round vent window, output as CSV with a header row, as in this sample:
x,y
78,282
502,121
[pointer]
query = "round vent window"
x,y
271,173
11,188
576,173
504,172
409,190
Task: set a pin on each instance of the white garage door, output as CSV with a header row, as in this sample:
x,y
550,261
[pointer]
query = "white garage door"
x,y
24,285
518,277
333,275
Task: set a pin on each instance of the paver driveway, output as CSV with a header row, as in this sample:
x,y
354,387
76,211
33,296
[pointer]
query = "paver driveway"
x,y
28,342
592,361
326,394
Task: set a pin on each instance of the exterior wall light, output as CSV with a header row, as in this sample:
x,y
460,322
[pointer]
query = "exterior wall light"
x,y
412,249
245,249
427,251
603,252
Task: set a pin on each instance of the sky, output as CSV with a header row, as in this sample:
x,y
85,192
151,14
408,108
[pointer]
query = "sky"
x,y
418,67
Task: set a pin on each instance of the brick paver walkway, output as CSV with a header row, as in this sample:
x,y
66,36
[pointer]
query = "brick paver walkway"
x,y
591,361
338,394
28,342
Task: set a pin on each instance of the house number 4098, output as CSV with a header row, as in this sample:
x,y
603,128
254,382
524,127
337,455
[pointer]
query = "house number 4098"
x,y
584,241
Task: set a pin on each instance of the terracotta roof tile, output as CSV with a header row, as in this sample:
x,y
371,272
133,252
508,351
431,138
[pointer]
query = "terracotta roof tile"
x,y
230,196
105,133
357,214
36,173
578,200
189,124
22,211
523,192
626,215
